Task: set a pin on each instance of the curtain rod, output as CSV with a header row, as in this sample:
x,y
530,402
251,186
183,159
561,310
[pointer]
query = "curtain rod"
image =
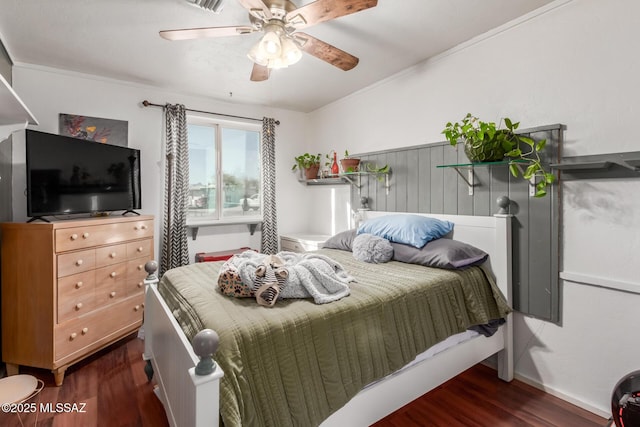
x,y
150,104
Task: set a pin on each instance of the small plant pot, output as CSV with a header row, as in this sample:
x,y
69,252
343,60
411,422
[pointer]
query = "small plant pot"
x,y
311,172
350,165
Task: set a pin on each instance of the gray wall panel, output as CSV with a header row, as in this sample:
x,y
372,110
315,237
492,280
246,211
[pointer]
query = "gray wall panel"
x,y
418,185
413,176
436,192
481,191
450,183
401,181
499,186
424,180
519,196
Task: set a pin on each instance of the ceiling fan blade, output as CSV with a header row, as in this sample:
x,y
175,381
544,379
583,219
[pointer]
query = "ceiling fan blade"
x,y
257,8
198,33
259,73
325,10
328,53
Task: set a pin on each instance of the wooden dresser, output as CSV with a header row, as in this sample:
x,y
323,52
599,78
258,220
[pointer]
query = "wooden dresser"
x,y
71,288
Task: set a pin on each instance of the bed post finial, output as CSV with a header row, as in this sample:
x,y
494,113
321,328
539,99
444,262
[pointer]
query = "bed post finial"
x,y
205,344
503,203
151,267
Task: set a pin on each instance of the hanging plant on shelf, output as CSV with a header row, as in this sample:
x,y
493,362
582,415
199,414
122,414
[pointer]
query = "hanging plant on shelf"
x,y
349,164
486,142
309,163
380,172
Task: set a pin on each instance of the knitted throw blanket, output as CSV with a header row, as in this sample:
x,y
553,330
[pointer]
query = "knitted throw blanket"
x,y
310,275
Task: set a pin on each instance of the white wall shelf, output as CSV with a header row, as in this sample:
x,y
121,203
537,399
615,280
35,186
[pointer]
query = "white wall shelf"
x,y
14,114
610,165
194,224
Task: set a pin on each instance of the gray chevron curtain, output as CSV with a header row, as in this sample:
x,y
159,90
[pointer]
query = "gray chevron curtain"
x,y
268,168
175,251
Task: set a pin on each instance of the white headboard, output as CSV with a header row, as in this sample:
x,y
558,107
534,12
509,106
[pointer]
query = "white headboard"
x,y
492,234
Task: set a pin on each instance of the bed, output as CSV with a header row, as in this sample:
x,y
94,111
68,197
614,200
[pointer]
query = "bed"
x,y
337,379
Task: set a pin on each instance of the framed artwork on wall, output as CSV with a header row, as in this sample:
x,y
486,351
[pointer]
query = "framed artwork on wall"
x,y
96,129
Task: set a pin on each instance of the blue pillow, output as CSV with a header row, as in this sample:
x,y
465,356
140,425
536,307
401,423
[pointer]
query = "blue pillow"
x,y
414,230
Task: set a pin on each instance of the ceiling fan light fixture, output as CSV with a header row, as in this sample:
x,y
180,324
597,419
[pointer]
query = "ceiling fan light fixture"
x,y
257,55
271,45
290,51
276,63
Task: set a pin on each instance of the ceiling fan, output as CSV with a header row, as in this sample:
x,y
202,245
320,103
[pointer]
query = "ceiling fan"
x,y
282,44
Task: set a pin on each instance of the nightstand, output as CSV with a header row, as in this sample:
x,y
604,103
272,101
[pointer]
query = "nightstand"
x,y
301,242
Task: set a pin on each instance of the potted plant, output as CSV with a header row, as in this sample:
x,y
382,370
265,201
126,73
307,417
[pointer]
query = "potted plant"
x,y
349,164
309,163
486,142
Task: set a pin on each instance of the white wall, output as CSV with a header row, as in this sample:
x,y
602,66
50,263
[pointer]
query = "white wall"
x,y
49,92
574,64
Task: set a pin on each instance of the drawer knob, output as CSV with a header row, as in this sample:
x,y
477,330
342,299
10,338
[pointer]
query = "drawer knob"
x,y
74,236
140,267
112,294
113,274
136,308
112,254
73,336
84,331
79,262
79,285
78,306
143,227
85,235
140,249
140,284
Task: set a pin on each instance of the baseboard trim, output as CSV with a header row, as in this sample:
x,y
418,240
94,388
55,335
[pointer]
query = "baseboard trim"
x,y
567,398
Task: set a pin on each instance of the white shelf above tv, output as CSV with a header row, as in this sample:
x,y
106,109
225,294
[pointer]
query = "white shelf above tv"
x,y
14,114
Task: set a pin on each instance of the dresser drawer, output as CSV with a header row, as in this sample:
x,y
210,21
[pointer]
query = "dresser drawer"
x,y
140,248
109,255
68,239
76,262
84,331
136,275
76,295
110,284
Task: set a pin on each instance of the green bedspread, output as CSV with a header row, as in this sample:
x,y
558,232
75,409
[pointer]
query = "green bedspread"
x,y
298,362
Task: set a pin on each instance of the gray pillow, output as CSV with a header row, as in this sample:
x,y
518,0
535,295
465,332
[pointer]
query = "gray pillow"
x,y
372,249
342,241
440,253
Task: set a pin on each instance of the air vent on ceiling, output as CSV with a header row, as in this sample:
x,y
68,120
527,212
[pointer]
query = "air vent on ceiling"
x,y
212,5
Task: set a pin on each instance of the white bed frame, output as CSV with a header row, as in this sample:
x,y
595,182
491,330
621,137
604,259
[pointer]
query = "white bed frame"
x,y
193,400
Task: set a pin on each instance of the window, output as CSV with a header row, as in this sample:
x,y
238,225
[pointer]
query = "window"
x,y
224,170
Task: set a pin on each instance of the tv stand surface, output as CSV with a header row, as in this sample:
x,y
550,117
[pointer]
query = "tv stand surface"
x,y
41,218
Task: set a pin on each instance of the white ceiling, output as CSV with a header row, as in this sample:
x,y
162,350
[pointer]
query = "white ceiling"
x,y
119,39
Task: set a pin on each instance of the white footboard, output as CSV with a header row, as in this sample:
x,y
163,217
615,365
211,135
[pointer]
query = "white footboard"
x,y
188,399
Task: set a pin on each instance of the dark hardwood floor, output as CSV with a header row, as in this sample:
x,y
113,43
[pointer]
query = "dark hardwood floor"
x,y
115,391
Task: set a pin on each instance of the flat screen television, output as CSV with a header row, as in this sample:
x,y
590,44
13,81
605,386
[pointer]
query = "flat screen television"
x,y
68,175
